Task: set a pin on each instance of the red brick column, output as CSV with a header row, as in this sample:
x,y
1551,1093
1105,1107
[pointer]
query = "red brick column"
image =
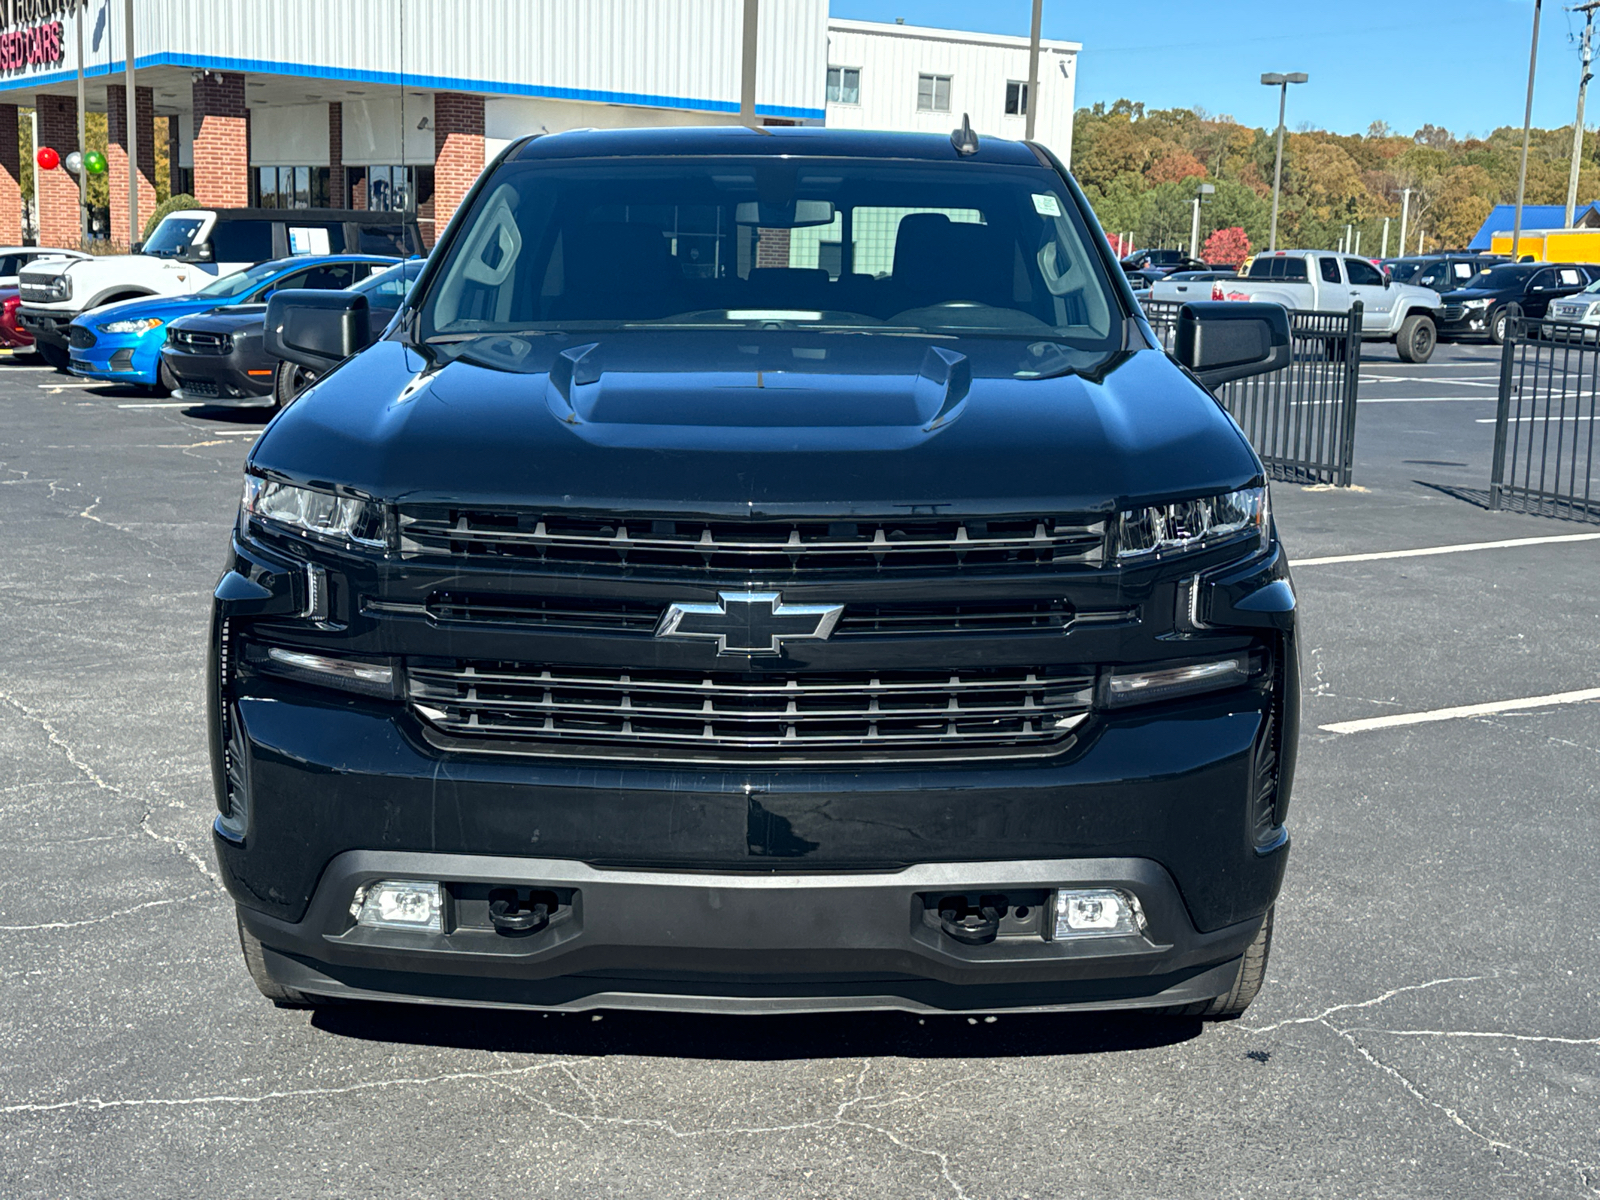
x,y
336,192
10,177
58,190
117,157
221,142
457,153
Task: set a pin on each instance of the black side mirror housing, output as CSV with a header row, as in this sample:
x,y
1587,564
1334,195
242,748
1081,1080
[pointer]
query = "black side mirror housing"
x,y
138,248
1221,340
316,328
200,253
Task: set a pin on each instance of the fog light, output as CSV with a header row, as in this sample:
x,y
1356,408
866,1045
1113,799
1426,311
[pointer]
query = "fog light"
x,y
402,904
1097,912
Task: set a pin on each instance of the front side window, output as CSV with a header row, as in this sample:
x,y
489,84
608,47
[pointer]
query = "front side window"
x,y
1016,99
841,245
844,85
933,93
173,236
1363,273
1330,269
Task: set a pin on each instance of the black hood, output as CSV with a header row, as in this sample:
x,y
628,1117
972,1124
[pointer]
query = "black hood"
x,y
761,425
227,320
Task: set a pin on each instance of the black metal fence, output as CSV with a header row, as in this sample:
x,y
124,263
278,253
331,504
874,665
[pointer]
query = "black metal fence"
x,y
1302,419
1544,432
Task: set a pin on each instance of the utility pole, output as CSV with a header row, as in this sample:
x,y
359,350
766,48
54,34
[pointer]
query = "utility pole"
x,y
1405,211
1282,82
1204,190
1527,124
131,122
1587,9
747,80
83,145
1033,70
1384,253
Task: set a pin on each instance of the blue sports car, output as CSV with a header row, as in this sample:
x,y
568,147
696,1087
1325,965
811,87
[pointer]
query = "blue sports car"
x,y
121,342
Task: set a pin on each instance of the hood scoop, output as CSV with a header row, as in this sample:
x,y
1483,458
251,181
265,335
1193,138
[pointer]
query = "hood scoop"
x,y
580,391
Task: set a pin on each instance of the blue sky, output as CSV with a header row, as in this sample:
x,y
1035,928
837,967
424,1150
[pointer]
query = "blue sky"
x,y
1462,64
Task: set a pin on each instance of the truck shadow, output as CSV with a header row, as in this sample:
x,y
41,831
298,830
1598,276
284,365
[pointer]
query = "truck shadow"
x,y
763,1038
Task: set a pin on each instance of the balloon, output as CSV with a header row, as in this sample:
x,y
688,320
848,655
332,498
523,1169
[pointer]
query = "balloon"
x,y
47,158
73,162
94,162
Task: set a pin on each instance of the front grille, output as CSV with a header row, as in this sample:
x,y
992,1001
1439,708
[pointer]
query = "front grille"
x,y
787,547
1453,312
200,342
687,716
590,614
198,387
80,338
42,293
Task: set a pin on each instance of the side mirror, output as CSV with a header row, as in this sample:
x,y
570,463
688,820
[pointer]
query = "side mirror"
x,y
1221,340
316,328
1387,282
198,253
138,248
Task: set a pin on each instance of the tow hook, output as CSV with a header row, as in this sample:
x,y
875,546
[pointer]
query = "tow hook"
x,y
510,914
972,926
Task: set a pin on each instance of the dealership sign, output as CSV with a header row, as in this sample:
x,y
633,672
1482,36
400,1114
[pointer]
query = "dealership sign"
x,y
30,33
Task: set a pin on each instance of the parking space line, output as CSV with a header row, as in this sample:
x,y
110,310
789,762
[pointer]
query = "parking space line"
x,y
162,404
1424,400
52,386
1460,711
1458,548
1525,420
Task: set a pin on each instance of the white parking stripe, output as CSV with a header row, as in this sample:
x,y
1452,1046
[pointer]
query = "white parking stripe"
x,y
1458,548
1526,420
1464,710
163,404
1422,400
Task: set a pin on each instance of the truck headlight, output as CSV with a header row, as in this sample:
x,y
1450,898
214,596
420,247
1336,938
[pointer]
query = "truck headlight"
x,y
340,518
1474,305
1191,524
141,325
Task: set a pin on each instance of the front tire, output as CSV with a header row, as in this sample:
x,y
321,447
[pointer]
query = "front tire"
x,y
1497,327
1416,339
1246,984
166,382
288,381
54,356
255,963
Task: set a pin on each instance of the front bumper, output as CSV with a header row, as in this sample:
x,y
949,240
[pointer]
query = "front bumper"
x,y
1473,325
740,943
46,325
120,358
222,380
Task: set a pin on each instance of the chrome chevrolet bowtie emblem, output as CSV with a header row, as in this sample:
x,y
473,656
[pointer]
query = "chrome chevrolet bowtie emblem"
x,y
749,622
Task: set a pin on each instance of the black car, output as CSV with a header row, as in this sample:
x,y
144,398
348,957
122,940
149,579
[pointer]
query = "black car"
x,y
1479,311
219,358
1441,272
1147,267
672,611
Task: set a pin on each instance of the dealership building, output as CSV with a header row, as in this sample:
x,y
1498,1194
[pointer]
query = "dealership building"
x,y
397,104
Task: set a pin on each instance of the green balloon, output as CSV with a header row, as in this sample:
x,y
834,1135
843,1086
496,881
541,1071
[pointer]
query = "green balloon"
x,y
94,162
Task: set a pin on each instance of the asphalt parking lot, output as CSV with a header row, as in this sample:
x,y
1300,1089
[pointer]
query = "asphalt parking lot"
x,y
1428,1029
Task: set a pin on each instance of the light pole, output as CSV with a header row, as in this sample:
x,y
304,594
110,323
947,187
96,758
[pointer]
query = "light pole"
x,y
1405,211
1206,189
1587,9
1282,82
1527,121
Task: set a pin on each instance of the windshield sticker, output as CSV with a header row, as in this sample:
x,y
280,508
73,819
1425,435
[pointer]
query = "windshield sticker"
x,y
1046,205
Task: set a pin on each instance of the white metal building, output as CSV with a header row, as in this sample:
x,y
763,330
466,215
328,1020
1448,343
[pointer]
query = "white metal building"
x,y
894,76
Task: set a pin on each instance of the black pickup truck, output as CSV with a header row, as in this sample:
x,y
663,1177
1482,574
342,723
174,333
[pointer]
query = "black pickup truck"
x,y
758,571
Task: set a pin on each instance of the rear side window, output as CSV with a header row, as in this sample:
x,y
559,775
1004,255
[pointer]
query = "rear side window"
x,y
242,241
382,239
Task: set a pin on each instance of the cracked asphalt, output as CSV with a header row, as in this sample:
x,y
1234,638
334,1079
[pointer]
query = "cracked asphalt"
x,y
1428,1027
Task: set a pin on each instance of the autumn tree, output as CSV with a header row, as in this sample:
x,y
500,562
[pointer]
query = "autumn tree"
x,y
1228,246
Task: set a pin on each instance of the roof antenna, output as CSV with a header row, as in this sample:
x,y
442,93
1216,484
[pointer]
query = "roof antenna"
x,y
963,139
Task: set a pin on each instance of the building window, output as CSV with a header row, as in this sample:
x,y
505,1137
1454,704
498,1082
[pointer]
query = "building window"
x,y
1016,99
291,187
844,85
390,188
933,93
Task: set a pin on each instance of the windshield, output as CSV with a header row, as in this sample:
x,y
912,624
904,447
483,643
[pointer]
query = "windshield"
x,y
1406,271
173,236
1496,278
845,245
239,282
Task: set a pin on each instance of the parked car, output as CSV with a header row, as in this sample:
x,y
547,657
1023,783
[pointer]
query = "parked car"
x,y
1441,272
1322,281
218,357
1582,309
1479,311
121,343
12,336
192,249
1151,266
612,632
1192,285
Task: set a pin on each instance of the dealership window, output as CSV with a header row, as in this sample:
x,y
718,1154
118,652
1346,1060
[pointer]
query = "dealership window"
x,y
393,188
844,85
1016,98
291,187
933,93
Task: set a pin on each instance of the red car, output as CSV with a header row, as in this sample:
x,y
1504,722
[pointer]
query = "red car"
x,y
12,335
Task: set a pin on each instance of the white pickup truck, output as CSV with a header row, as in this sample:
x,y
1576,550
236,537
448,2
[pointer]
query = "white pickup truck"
x,y
1322,281
191,248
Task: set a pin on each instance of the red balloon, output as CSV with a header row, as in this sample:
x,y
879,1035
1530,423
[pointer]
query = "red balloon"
x,y
48,158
